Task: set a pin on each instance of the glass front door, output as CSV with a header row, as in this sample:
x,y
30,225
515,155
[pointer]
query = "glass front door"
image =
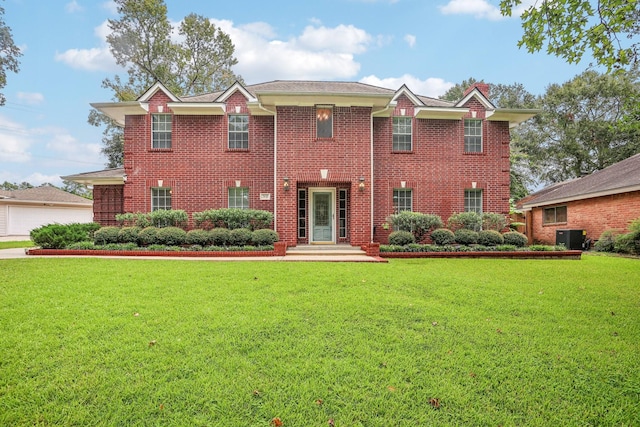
x,y
322,216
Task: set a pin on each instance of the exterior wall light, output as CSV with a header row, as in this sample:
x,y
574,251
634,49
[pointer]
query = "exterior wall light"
x,y
361,185
285,185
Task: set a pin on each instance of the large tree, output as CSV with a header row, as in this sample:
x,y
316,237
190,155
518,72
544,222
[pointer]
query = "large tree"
x,y
198,59
9,54
606,29
582,127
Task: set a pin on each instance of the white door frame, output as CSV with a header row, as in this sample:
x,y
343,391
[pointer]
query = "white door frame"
x,y
331,190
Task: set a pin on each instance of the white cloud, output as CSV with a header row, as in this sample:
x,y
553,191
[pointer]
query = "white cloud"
x,y
94,59
318,53
410,39
36,179
432,86
111,7
479,8
31,98
73,7
15,141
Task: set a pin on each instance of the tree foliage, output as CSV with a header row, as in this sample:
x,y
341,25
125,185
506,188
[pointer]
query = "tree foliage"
x,y
582,126
605,29
9,54
196,57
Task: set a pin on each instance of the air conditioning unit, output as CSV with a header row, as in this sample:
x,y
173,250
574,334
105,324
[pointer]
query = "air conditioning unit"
x,y
571,239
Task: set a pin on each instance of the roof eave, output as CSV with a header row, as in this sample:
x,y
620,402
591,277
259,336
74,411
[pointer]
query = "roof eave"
x,y
309,99
197,108
611,192
512,115
440,113
118,110
120,180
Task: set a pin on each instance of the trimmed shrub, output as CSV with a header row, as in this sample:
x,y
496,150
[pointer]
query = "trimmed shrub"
x,y
465,220
628,243
464,236
443,236
490,238
171,236
514,238
419,224
169,218
401,238
264,237
128,234
233,218
220,236
106,235
494,221
81,245
138,219
506,248
198,237
147,236
240,236
59,236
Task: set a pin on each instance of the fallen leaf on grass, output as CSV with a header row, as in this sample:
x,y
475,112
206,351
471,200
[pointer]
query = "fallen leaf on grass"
x,y
499,330
152,343
319,402
391,389
434,323
331,423
435,402
161,407
256,393
276,422
136,314
472,374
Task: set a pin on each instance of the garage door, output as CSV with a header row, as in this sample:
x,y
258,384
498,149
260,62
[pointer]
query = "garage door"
x,y
23,219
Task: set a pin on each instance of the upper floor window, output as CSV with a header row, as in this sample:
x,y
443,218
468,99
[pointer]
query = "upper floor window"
x,y
402,200
472,136
324,121
239,197
239,131
402,133
161,131
554,215
160,199
473,201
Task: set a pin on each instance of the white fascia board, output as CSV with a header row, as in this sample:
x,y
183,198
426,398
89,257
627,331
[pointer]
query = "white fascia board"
x,y
153,89
529,206
443,113
197,108
118,110
236,87
514,116
475,93
404,90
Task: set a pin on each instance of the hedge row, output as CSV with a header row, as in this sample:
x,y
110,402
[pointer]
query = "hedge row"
x,y
229,218
462,236
614,241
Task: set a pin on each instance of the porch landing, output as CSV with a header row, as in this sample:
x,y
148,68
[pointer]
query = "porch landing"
x,y
340,252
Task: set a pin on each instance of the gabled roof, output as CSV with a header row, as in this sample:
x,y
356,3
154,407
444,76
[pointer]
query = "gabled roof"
x,y
621,177
45,195
113,176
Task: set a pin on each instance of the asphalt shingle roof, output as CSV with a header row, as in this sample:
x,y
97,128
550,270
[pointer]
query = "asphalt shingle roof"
x,y
45,194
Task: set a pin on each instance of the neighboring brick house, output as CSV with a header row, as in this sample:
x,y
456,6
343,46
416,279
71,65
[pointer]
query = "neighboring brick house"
x,y
331,160
606,199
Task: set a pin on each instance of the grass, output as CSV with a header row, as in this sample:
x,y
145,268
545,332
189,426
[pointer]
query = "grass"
x,y
22,244
153,342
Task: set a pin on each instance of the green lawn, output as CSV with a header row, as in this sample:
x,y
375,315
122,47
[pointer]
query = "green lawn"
x,y
19,244
165,342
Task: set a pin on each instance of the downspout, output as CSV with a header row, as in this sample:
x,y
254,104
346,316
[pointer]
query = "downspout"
x,y
275,164
371,163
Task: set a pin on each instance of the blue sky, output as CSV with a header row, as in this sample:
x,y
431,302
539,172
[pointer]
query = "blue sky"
x,y
428,44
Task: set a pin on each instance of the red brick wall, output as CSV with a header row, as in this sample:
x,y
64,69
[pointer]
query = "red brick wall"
x,y
594,215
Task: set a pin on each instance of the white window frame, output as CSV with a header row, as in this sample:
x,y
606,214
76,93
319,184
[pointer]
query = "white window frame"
x,y
238,201
160,129
238,135
401,194
400,126
160,194
473,200
473,140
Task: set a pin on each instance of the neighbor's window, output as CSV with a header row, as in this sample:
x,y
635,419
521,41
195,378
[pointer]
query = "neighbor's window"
x,y
402,200
472,136
554,215
161,131
402,133
239,131
324,122
239,197
473,201
160,199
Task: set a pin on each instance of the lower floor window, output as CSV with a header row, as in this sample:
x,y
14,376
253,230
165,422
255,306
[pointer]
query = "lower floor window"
x,y
473,201
160,199
239,197
402,200
554,215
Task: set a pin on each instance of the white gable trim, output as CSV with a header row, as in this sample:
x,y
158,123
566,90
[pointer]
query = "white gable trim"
x,y
155,88
475,93
236,87
404,90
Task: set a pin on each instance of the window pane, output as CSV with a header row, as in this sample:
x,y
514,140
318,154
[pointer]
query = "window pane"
x,y
402,200
239,131
473,201
473,136
402,133
161,130
549,216
561,214
160,199
324,122
239,197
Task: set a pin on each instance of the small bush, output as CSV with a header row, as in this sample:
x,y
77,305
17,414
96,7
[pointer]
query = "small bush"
x,y
490,238
628,243
465,220
464,236
514,238
128,234
198,237
506,248
419,224
607,241
220,236
240,236
86,245
542,248
169,218
233,218
138,219
106,235
401,238
443,236
171,236
264,237
58,236
147,236
494,221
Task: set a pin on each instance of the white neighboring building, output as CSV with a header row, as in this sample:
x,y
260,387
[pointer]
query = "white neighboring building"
x,y
23,210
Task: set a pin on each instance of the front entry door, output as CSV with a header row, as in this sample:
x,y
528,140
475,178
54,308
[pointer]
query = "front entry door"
x,y
322,216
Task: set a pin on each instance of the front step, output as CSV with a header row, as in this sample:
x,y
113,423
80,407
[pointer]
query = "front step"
x,y
325,250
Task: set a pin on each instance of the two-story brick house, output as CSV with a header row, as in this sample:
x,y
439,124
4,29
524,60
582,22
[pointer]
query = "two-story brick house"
x,y
331,160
